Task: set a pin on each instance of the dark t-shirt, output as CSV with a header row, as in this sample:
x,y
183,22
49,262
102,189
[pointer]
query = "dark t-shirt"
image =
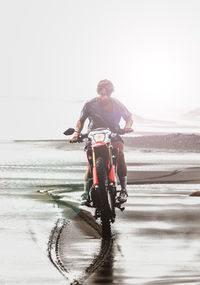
x,y
101,118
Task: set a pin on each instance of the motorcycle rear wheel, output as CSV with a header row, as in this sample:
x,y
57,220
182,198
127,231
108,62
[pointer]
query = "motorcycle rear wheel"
x,y
105,207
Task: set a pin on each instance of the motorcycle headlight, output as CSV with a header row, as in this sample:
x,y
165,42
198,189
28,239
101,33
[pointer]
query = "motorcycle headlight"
x,y
99,137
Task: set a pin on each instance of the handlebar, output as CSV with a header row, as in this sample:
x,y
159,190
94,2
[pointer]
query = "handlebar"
x,y
81,137
122,131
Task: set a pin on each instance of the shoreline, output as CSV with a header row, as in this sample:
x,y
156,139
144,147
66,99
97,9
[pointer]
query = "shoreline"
x,y
179,142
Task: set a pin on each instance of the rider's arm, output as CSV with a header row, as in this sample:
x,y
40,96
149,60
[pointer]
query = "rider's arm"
x,y
129,122
79,127
80,123
126,115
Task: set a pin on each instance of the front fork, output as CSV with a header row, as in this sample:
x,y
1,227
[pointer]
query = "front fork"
x,y
112,174
111,170
94,169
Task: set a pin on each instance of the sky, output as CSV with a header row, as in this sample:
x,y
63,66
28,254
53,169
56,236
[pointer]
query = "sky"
x,y
53,54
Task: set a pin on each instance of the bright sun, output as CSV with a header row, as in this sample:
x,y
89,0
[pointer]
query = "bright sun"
x,y
153,86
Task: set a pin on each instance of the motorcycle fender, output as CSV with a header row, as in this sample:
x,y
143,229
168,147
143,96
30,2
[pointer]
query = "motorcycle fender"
x,y
97,144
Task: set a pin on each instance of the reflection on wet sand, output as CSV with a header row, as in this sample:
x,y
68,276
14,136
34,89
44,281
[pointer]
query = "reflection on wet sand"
x,y
160,244
104,275
155,241
156,238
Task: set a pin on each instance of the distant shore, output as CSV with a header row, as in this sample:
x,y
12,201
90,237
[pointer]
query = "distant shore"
x,y
174,141
178,142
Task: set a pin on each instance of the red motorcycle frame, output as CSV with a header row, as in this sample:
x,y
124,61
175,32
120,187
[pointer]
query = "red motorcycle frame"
x,y
102,159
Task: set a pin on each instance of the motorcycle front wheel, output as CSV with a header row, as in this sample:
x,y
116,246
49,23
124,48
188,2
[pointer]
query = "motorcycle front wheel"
x,y
104,205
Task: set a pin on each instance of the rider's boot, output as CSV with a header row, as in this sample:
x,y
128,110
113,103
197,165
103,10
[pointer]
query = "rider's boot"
x,y
123,193
84,196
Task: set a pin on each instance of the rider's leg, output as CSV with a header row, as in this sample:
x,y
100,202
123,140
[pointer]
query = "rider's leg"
x,y
84,196
121,171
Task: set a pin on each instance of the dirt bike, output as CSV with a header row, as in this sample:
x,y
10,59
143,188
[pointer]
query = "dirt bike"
x,y
103,161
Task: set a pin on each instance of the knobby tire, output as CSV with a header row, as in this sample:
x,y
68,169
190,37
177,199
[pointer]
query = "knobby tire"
x,y
103,198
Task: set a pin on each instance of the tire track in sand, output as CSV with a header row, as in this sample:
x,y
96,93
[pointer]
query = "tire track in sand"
x,y
57,250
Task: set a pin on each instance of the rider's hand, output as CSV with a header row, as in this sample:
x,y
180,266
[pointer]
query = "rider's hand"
x,y
128,130
75,137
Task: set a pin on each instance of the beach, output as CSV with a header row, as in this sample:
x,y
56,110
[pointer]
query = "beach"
x,y
47,238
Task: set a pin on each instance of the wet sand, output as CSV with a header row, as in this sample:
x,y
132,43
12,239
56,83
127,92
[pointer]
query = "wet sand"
x,y
155,240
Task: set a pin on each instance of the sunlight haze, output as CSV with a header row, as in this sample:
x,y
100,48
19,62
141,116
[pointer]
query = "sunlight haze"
x,y
53,54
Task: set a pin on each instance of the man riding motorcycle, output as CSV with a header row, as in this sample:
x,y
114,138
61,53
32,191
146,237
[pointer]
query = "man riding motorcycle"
x,y
106,112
